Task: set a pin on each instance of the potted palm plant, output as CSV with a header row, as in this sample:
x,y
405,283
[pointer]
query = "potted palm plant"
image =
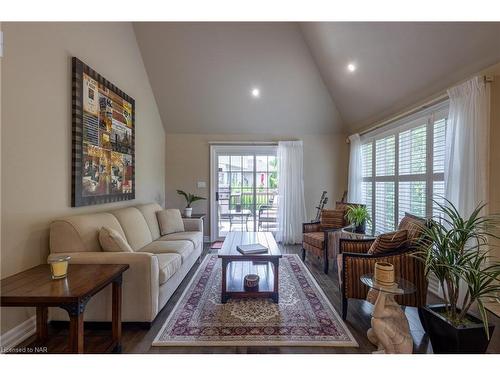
x,y
455,251
358,216
190,198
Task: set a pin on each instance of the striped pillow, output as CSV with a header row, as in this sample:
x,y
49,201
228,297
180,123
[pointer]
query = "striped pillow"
x,y
332,219
389,242
414,226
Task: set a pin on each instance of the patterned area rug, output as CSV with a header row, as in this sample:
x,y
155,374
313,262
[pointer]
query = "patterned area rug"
x,y
303,317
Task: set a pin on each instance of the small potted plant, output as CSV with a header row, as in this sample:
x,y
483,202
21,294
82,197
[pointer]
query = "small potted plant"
x,y
455,250
190,198
358,216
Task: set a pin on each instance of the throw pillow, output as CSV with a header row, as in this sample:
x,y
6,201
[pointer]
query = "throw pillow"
x,y
332,219
414,226
388,242
170,221
111,240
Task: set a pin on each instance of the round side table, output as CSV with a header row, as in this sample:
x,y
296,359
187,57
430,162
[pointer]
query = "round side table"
x,y
390,330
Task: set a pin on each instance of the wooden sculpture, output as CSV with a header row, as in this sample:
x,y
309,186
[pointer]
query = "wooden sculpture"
x,y
390,330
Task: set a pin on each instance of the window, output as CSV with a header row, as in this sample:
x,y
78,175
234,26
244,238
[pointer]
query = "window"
x,y
403,169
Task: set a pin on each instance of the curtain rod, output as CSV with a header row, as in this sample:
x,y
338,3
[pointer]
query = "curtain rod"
x,y
437,100
256,143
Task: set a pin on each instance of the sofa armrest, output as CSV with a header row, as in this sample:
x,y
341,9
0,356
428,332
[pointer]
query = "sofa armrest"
x,y
193,225
140,281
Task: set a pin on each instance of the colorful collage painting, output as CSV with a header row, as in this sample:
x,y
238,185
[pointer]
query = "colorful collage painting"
x,y
103,163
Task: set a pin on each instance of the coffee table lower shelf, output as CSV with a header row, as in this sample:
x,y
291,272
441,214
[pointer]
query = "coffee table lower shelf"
x,y
234,271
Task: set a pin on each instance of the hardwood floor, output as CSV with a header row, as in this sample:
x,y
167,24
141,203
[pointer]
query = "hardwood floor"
x,y
138,339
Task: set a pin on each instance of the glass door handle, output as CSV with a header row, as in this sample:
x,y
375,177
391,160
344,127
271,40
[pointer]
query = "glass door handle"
x,y
216,196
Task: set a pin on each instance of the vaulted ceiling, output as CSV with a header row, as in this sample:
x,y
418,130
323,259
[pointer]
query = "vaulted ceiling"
x,y
398,64
202,74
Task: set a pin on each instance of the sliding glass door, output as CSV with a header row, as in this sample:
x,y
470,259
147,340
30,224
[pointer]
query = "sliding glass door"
x,y
244,189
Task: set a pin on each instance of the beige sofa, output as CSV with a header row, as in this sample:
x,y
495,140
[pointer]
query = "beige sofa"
x,y
157,266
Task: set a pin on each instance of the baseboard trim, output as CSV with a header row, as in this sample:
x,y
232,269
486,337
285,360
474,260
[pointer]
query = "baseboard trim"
x,y
18,334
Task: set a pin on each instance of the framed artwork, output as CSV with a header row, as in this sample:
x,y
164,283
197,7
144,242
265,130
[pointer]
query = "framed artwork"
x,y
103,139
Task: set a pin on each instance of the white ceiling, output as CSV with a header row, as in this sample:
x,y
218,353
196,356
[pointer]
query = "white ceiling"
x,y
202,73
398,64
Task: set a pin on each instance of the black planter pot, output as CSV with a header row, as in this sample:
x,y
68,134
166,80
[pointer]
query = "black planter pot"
x,y
445,338
361,228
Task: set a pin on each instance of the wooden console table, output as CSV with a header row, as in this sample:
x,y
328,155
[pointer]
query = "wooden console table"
x,y
35,287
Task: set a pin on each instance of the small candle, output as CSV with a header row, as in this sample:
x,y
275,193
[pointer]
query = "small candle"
x,y
59,267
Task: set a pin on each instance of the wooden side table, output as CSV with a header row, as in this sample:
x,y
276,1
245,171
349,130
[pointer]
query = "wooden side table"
x,y
35,287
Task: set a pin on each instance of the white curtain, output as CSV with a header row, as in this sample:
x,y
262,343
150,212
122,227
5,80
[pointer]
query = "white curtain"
x,y
292,208
466,163
355,170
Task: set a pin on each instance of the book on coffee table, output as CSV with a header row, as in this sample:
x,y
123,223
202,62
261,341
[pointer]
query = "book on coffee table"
x,y
255,248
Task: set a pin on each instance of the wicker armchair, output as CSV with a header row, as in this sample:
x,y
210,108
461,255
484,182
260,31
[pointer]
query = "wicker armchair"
x,y
318,236
354,261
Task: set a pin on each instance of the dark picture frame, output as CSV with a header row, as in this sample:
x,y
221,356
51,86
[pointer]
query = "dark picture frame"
x,y
103,139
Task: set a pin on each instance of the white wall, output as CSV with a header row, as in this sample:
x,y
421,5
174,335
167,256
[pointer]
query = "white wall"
x,y
188,161
36,133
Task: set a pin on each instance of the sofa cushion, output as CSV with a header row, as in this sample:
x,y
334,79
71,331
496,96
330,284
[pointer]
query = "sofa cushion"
x,y
316,239
183,248
135,227
332,219
168,264
195,237
80,232
111,240
149,212
170,221
389,242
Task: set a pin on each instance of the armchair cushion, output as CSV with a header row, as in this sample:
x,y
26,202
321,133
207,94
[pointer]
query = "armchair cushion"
x,y
332,219
315,239
170,221
111,240
389,242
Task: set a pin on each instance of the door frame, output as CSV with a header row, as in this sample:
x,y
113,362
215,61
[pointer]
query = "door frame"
x,y
237,148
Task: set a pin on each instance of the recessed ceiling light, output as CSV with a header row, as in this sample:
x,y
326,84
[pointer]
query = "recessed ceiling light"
x,y
351,67
255,92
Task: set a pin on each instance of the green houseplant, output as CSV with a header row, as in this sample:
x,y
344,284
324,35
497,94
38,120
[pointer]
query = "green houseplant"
x,y
455,250
190,199
358,216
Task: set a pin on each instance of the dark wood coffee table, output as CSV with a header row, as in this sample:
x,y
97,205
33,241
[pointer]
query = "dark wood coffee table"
x,y
35,287
235,266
